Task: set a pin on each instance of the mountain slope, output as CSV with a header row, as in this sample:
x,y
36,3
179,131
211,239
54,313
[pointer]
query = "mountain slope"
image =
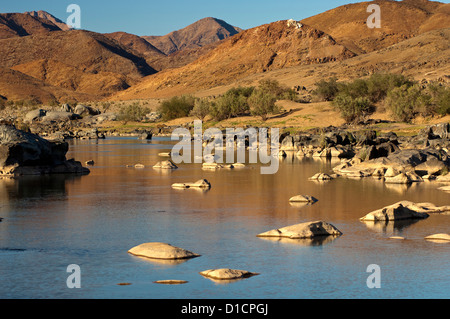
x,y
15,85
198,34
138,44
271,46
47,16
400,20
80,60
19,25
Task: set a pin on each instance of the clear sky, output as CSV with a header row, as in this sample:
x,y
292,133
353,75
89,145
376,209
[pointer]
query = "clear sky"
x,y
159,17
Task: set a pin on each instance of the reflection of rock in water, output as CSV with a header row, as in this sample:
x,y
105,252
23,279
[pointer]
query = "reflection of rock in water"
x,y
165,262
315,241
34,186
398,188
389,226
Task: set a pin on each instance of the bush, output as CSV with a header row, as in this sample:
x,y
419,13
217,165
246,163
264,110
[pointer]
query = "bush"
x,y
201,109
378,85
326,90
280,92
406,102
440,98
353,109
233,103
262,104
176,107
132,113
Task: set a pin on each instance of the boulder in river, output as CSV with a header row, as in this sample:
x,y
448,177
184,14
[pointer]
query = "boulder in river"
x,y
436,237
304,230
157,250
23,153
203,183
227,274
400,211
165,165
303,199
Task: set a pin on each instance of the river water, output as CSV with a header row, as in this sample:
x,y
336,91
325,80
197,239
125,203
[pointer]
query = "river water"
x,y
92,221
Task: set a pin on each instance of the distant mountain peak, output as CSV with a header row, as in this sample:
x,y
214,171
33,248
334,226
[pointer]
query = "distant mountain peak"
x,y
198,34
48,16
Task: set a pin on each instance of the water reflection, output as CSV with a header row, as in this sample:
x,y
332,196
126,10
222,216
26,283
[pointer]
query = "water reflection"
x,y
315,241
390,226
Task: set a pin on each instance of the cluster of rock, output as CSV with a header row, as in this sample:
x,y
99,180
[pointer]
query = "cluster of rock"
x,y
24,153
385,156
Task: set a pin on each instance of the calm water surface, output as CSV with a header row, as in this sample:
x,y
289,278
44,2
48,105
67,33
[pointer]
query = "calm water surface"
x,y
92,221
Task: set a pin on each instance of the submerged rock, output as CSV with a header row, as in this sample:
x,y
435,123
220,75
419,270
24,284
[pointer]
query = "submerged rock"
x,y
227,274
161,251
165,165
303,199
304,230
443,237
203,183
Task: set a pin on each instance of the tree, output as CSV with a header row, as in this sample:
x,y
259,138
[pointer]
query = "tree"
x,y
262,104
202,108
353,109
176,107
326,90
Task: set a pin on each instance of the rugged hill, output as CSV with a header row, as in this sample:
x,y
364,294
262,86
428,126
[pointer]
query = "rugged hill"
x,y
18,25
400,20
15,86
79,60
272,46
138,44
198,34
47,16
425,57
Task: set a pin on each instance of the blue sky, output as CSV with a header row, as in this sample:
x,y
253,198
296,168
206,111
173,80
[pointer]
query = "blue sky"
x,y
150,17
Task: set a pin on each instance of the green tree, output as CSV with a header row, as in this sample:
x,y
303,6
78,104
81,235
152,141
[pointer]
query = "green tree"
x,y
353,109
202,108
326,90
176,107
262,104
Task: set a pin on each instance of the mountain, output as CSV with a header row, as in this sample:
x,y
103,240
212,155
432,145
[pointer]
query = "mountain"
x,y
15,85
47,16
272,46
198,34
19,25
77,60
400,20
138,44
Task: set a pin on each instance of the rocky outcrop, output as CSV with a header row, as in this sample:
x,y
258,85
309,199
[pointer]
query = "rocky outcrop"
x,y
203,184
165,165
161,251
438,237
405,210
23,153
227,274
303,230
303,199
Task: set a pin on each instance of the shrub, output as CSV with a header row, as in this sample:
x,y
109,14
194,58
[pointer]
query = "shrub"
x,y
406,102
326,90
440,98
233,103
176,107
201,109
132,113
353,109
275,88
379,84
262,104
